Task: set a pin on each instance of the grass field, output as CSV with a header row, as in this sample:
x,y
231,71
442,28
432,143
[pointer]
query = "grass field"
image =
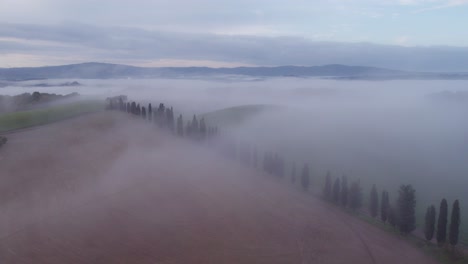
x,y
24,119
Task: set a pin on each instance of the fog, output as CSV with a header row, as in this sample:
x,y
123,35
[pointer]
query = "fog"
x,y
383,132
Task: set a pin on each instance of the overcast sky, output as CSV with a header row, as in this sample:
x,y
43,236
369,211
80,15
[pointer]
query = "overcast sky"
x,y
405,34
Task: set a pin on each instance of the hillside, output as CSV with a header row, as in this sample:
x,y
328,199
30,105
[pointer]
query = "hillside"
x,y
108,71
122,192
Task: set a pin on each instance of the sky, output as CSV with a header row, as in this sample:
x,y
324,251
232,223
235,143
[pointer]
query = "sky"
x,y
428,35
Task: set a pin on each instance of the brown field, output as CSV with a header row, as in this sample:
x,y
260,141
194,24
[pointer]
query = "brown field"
x,y
92,190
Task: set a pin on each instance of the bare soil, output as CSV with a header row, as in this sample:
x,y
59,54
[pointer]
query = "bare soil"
x,y
106,188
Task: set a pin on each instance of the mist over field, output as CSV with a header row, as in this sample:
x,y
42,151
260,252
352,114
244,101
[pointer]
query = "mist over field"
x,y
233,131
383,132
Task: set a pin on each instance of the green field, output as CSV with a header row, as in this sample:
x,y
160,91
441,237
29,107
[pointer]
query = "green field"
x,y
24,119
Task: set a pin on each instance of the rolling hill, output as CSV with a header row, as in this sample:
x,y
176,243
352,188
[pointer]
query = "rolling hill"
x,y
95,70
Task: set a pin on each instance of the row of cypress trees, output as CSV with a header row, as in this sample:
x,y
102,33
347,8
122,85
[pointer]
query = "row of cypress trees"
x,y
401,216
343,194
441,234
404,216
164,118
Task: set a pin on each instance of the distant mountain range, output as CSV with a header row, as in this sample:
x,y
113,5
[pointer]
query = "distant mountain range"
x,y
93,70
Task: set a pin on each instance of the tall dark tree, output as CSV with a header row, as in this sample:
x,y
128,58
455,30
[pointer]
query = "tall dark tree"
x,y
138,110
355,195
150,112
143,112
374,202
293,172
129,109
305,177
160,116
441,234
344,192
169,119
195,127
454,224
406,209
429,223
172,121
327,190
180,126
336,191
385,202
133,108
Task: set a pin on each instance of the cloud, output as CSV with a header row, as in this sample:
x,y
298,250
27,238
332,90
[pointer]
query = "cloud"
x,y
402,40
74,42
437,4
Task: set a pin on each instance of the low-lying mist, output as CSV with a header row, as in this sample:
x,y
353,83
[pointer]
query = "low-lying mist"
x,y
383,132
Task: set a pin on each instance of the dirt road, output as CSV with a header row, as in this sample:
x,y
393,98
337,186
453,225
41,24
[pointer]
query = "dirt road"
x,y
106,189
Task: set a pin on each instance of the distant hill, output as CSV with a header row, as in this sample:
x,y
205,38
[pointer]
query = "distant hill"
x,y
93,70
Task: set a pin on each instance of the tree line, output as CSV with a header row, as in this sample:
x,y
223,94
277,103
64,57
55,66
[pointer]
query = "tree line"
x,y
400,214
164,117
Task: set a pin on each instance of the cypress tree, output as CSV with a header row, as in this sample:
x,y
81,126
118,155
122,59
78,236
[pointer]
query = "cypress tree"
x,y
161,118
129,110
344,191
327,191
143,112
171,120
195,128
293,173
441,234
374,202
180,126
385,201
150,112
429,223
336,191
133,108
305,177
138,109
355,195
406,209
454,224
